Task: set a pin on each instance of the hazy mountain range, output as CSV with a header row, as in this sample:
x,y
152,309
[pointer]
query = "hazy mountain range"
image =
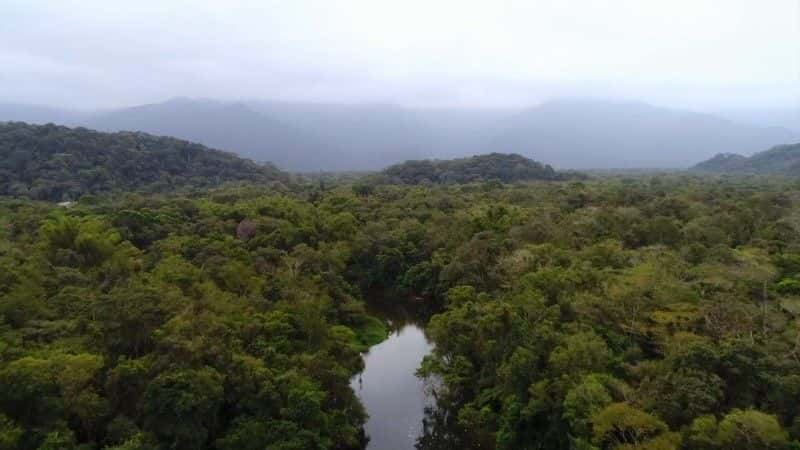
x,y
574,134
788,118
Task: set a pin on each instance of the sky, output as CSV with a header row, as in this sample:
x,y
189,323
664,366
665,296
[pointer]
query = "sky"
x,y
702,54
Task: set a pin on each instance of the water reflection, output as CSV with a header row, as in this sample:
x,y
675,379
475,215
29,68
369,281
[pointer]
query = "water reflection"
x,y
398,313
441,431
393,396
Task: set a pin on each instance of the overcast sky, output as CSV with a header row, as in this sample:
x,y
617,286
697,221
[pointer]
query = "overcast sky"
x,y
692,53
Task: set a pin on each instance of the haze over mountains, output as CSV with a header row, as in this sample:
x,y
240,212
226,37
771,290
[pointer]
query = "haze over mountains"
x,y
788,118
571,134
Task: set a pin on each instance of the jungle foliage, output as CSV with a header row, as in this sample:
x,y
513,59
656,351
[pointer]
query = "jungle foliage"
x,y
639,313
651,312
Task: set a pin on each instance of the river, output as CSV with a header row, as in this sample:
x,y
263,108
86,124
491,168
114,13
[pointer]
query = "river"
x,y
393,396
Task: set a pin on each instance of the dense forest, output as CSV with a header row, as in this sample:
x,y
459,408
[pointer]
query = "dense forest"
x,y
49,162
152,323
399,225
650,313
654,312
780,160
501,167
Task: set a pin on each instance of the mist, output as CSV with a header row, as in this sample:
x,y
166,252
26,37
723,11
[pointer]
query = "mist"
x,y
704,55
357,85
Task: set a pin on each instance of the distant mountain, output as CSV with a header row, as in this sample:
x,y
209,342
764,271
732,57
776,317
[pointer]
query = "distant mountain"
x,y
780,160
50,162
361,136
310,137
374,135
602,134
228,126
788,117
463,132
492,167
18,112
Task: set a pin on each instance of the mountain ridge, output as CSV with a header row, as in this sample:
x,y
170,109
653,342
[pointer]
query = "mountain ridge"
x,y
308,137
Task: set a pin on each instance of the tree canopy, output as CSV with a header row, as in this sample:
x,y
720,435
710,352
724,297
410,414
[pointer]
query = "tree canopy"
x,y
646,312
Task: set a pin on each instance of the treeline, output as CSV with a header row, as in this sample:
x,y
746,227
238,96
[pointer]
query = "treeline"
x,y
49,162
506,168
619,313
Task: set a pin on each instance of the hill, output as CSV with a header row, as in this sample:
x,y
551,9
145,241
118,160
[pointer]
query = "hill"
x,y
50,162
492,167
602,134
780,160
306,137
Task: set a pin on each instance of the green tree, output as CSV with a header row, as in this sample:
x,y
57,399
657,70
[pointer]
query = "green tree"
x,y
750,429
620,426
181,407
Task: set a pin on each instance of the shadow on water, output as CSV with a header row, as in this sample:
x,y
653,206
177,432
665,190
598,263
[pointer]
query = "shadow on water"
x,y
440,431
399,312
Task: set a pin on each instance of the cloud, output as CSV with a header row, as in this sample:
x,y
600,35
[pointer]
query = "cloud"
x,y
446,52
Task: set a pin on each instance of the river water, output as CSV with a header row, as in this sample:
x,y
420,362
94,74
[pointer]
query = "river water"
x,y
393,396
